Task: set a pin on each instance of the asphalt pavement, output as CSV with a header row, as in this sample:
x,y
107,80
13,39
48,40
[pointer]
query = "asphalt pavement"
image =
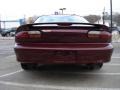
x,y
71,77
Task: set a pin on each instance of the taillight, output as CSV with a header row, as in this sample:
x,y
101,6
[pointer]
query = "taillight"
x,y
28,35
94,34
99,34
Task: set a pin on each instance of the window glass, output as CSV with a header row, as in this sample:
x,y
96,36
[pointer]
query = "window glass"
x,y
60,18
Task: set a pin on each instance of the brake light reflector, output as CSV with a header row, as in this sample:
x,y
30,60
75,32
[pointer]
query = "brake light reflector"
x,y
99,34
28,34
94,34
34,32
23,34
105,35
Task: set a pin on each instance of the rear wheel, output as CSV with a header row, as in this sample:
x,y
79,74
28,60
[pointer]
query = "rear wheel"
x,y
94,66
28,66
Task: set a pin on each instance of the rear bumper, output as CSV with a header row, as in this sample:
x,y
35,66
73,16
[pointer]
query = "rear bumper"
x,y
63,53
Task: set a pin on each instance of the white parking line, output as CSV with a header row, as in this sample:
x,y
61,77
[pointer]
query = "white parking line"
x,y
7,38
112,64
116,57
8,74
53,86
83,73
99,73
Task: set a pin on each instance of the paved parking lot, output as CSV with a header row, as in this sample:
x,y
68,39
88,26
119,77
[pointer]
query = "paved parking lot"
x,y
12,77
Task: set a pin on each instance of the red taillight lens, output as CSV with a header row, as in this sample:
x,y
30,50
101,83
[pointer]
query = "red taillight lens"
x,y
27,35
23,34
99,34
94,34
34,34
105,35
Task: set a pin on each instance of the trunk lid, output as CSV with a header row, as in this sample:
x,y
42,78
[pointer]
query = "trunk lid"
x,y
63,33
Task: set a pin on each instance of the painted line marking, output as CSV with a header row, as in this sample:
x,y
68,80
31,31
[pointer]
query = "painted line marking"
x,y
112,64
93,73
54,86
116,57
7,38
85,73
8,74
81,73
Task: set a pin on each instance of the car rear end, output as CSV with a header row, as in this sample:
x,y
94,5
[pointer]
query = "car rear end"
x,y
63,43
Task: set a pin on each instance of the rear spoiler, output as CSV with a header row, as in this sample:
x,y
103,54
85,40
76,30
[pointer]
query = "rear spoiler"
x,y
66,24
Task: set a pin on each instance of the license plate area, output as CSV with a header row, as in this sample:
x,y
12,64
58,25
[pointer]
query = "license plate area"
x,y
64,57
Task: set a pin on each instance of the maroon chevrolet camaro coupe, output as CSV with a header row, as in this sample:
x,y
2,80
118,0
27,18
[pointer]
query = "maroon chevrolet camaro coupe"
x,y
62,39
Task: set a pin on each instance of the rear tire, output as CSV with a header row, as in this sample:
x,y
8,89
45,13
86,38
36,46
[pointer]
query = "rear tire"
x,y
95,66
28,66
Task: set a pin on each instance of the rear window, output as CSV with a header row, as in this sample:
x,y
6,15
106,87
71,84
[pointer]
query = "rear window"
x,y
60,18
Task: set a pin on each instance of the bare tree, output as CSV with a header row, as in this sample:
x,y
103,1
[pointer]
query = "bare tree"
x,y
31,19
92,18
116,18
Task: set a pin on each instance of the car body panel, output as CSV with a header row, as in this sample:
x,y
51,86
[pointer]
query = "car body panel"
x,y
63,43
78,53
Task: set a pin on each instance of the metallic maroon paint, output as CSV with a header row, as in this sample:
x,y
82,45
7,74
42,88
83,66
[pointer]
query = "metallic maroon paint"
x,y
61,53
63,44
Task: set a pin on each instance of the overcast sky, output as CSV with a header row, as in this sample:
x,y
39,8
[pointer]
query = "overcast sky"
x,y
13,9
